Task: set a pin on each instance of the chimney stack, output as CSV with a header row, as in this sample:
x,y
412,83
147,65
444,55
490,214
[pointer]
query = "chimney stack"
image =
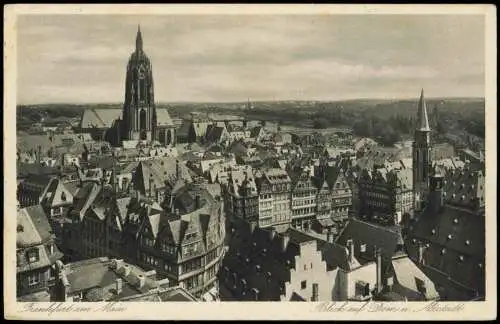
x,y
119,286
127,269
177,169
436,192
378,257
142,280
255,293
350,248
286,239
198,201
272,234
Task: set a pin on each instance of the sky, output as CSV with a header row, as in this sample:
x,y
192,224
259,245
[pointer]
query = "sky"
x,y
226,58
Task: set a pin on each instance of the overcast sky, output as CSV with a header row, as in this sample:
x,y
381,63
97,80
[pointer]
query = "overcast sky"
x,y
82,58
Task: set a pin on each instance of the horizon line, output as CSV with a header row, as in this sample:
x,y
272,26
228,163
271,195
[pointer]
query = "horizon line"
x,y
256,101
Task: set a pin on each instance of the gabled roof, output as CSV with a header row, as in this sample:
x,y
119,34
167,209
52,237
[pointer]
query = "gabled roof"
x,y
99,118
373,235
33,227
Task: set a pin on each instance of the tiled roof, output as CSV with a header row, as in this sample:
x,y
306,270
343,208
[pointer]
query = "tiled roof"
x,y
33,226
406,274
373,235
99,118
265,271
99,272
163,118
104,118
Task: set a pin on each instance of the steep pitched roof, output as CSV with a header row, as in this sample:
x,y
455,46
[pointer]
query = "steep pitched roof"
x,y
33,227
99,118
374,236
423,121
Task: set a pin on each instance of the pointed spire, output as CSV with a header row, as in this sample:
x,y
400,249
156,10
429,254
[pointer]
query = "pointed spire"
x,y
138,39
423,121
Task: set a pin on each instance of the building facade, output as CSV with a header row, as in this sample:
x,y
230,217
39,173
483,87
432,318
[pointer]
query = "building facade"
x,y
274,187
36,254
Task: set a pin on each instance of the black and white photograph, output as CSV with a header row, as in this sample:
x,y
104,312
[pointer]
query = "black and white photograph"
x,y
251,157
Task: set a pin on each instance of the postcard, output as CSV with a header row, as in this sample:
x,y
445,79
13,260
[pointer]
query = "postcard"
x,y
250,162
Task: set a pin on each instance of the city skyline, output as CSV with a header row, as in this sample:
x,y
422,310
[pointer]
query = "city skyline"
x,y
229,58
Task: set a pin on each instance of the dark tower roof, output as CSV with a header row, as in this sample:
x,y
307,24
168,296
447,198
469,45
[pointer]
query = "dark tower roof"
x,y
423,121
138,39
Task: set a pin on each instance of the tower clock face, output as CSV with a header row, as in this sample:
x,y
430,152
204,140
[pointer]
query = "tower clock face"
x,y
141,71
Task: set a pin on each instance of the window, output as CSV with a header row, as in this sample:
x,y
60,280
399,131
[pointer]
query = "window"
x,y
32,256
33,279
303,284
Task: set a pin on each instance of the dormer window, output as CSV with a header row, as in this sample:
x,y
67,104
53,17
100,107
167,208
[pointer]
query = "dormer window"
x,y
455,221
461,258
33,256
467,242
443,251
433,231
449,237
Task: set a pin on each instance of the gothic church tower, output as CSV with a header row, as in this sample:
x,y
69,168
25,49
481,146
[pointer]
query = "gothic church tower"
x,y
421,156
139,111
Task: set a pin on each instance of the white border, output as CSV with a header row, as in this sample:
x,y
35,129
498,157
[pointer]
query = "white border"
x,y
248,310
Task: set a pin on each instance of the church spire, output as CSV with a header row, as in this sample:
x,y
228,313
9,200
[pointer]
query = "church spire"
x,y
423,121
138,39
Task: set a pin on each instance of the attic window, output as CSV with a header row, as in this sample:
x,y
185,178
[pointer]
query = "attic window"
x,y
467,242
433,231
20,228
257,267
449,237
443,251
455,221
461,258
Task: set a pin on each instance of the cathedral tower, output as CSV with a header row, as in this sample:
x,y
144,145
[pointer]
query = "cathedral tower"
x,y
139,111
421,156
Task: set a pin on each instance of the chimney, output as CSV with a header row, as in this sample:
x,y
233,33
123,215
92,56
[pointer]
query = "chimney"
x,y
137,195
253,226
255,292
38,157
285,240
436,192
378,257
272,234
177,169
163,283
151,274
390,283
142,280
119,285
127,269
197,201
350,249
314,296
